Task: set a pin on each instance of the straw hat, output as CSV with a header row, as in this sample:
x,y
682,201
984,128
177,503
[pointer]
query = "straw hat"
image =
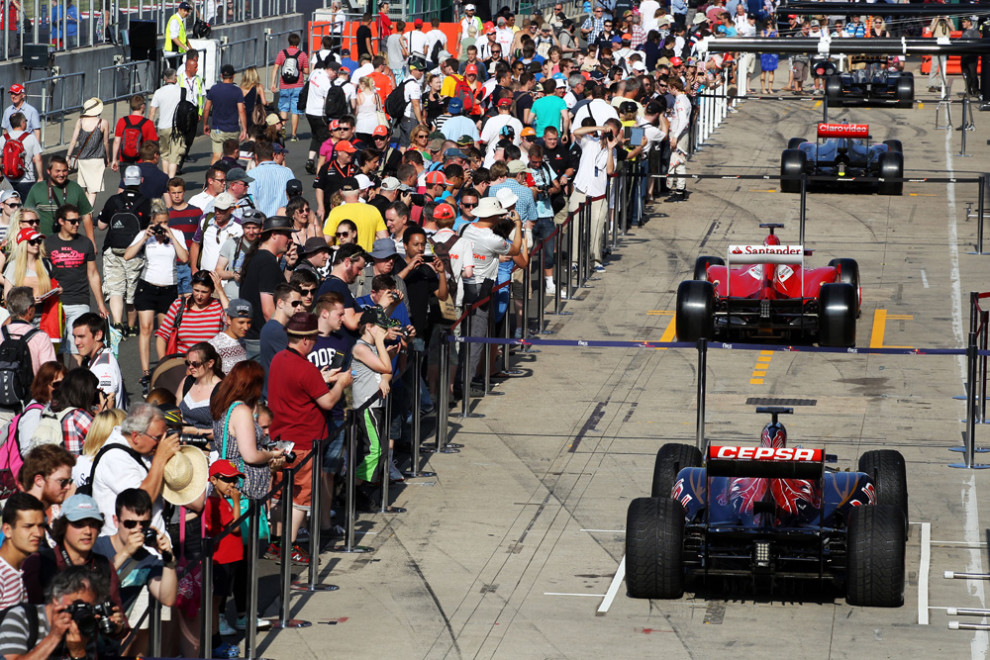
x,y
185,476
92,107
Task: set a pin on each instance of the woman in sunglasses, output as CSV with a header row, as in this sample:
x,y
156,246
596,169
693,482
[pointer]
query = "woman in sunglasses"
x,y
29,265
200,317
203,374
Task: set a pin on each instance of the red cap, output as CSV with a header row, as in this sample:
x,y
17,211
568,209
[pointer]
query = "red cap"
x,y
344,145
504,102
16,89
380,130
470,68
443,212
437,177
675,61
334,124
489,26
418,22
344,69
28,234
224,468
627,37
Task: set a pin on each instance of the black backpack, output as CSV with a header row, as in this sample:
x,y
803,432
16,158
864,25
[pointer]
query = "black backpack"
x,y
185,120
303,98
335,106
16,370
124,225
396,103
87,488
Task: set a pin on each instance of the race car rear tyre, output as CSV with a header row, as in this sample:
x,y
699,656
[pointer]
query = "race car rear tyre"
x,y
894,145
654,539
848,274
794,143
875,570
791,164
833,89
695,310
671,459
891,167
905,90
837,315
701,265
887,470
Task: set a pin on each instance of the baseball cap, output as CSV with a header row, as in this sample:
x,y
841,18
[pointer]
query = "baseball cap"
x,y
7,195
504,102
343,145
468,7
391,183
453,152
627,37
516,166
16,89
418,22
333,125
675,61
28,234
443,212
455,106
238,174
471,68
528,131
132,176
224,201
279,149
185,5
81,507
238,308
227,71
224,468
380,131
350,184
272,118
465,141
435,178
252,217
364,181
293,187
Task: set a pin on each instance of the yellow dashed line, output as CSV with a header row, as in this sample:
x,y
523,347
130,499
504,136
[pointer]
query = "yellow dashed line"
x,y
921,105
922,195
755,381
818,104
761,367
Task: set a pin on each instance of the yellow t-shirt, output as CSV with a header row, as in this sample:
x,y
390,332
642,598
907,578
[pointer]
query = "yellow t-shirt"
x,y
367,218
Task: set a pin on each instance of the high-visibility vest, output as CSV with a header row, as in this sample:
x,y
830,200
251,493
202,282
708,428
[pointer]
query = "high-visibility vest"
x,y
169,46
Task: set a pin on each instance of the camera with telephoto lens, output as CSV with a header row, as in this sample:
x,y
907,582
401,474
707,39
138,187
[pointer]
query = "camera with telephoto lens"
x,y
85,615
197,441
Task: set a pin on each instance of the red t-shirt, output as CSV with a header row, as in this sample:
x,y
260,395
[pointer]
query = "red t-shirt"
x,y
217,514
384,26
383,84
148,132
294,385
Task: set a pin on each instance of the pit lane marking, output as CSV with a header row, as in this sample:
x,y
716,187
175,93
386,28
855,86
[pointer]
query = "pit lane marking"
x,y
924,567
880,318
760,369
613,589
670,331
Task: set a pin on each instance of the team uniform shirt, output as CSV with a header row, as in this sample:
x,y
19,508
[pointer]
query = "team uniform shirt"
x,y
319,85
210,240
105,367
486,247
197,324
681,120
504,38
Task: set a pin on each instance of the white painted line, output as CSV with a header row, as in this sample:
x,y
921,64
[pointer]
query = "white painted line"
x,y
613,589
964,544
554,593
923,570
924,278
604,531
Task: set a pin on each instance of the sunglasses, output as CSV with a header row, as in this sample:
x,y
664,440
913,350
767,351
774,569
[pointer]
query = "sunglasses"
x,y
34,241
308,292
71,221
63,483
194,364
131,524
219,180
469,205
342,234
88,522
13,205
34,223
296,303
228,480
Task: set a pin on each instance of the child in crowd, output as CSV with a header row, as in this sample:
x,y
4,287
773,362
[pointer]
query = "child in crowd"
x,y
222,508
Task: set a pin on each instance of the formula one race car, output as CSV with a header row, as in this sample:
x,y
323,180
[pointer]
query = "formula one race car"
x,y
772,295
872,84
770,513
843,151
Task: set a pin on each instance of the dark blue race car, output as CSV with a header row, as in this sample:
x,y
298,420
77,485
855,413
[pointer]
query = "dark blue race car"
x,y
845,152
873,84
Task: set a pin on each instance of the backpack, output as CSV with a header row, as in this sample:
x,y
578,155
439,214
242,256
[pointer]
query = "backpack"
x,y
13,157
464,92
50,430
290,68
442,252
11,457
87,488
395,103
335,106
31,612
16,371
435,53
303,98
185,120
133,137
124,225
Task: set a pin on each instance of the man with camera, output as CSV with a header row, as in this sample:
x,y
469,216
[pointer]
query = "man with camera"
x,y
66,626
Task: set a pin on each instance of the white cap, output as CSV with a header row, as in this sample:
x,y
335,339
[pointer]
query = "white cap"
x,y
468,7
364,181
132,176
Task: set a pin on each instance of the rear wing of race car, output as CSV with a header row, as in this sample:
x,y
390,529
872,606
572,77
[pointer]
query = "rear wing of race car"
x,y
766,462
764,254
843,130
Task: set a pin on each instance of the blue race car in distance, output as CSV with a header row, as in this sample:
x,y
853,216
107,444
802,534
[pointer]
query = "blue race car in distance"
x,y
875,83
845,152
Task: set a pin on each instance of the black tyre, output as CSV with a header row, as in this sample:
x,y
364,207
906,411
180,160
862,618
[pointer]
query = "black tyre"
x,y
848,274
701,265
891,167
695,311
905,90
837,315
671,459
654,538
792,162
794,143
887,469
833,89
875,571
894,145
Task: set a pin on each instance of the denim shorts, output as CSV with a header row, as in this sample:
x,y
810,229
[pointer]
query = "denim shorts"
x,y
183,278
288,99
333,454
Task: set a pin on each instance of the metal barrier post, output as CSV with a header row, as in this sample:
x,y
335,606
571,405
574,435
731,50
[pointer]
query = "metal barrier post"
x,y
570,268
443,409
316,507
702,381
206,596
825,108
540,292
981,209
964,126
984,331
487,352
804,206
417,354
527,294
617,188
155,627
969,449
285,574
586,262
253,549
581,244
466,374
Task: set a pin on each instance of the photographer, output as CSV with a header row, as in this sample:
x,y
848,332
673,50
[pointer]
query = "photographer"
x,y
549,199
142,557
66,627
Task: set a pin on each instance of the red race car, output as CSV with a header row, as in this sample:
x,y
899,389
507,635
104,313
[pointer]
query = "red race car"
x,y
766,292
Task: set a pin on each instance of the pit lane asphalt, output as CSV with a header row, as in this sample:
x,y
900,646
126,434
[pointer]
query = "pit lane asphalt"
x,y
509,550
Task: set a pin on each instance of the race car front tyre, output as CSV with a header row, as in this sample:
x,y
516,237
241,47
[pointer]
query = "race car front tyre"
x,y
791,164
905,89
887,469
671,459
894,145
654,539
848,274
891,167
701,265
694,314
837,315
795,142
833,88
875,569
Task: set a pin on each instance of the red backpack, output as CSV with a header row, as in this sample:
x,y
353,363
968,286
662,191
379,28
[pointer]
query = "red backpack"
x,y
13,157
464,92
133,138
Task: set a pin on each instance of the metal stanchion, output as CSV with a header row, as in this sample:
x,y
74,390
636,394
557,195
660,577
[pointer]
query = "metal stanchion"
x,y
443,446
702,381
349,546
965,125
582,244
314,532
981,210
386,469
561,287
571,254
285,574
253,550
825,108
804,206
466,372
417,354
527,293
969,449
982,376
155,627
618,198
206,597
541,296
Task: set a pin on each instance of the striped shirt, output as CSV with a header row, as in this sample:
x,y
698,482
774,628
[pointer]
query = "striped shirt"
x,y
11,585
268,187
15,634
197,324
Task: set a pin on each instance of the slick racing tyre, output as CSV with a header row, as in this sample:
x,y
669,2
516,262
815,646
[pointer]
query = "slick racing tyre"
x,y
792,163
887,470
833,89
837,315
701,265
695,311
891,167
875,570
654,538
671,459
848,274
905,90
894,145
795,142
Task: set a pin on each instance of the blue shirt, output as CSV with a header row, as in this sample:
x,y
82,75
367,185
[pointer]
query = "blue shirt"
x,y
459,125
225,98
268,187
678,6
526,207
351,65
460,223
32,116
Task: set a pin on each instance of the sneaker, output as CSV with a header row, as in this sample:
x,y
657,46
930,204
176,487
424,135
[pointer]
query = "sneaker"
x,y
598,268
226,650
133,331
298,555
294,138
310,167
122,329
262,624
274,551
394,474
551,288
224,628
677,196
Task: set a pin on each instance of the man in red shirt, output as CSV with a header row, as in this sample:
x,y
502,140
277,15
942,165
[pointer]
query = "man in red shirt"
x,y
130,133
383,77
300,396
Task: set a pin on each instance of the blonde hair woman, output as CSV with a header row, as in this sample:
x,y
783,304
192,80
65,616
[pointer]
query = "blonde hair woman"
x,y
254,95
419,139
92,136
367,103
28,264
101,428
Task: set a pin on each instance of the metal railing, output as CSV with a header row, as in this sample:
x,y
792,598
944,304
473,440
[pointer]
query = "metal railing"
x,y
50,99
